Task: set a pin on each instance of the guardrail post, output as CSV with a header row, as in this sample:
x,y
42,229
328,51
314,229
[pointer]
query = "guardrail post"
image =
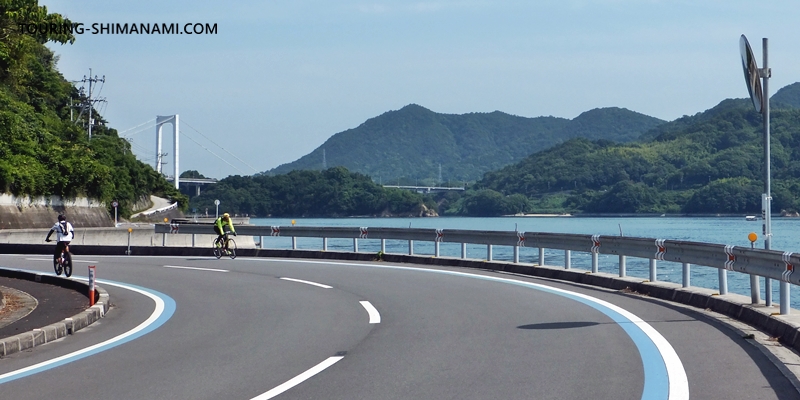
x,y
595,263
541,256
623,268
723,281
516,254
687,274
768,292
784,298
294,243
260,242
193,239
653,270
355,245
436,249
463,251
383,245
567,259
163,239
324,244
488,252
755,289
411,247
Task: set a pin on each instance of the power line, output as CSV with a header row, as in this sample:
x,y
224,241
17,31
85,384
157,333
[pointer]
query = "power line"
x,y
89,102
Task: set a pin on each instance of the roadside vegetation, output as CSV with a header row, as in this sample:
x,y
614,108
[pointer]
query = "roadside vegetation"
x,y
43,152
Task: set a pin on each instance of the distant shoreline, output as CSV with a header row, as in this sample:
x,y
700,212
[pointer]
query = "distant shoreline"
x,y
539,215
648,215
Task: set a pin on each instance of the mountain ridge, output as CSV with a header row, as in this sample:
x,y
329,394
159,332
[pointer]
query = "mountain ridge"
x,y
414,144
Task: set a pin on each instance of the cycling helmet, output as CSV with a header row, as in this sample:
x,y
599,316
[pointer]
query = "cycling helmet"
x,y
226,216
61,218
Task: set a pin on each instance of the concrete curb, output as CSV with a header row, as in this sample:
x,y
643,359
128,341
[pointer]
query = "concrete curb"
x,y
49,333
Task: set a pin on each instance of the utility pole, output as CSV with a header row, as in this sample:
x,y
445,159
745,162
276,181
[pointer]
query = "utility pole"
x,y
324,160
89,100
161,161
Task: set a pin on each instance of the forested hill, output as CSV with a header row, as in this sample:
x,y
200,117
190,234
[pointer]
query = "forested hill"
x,y
409,145
42,152
711,162
787,97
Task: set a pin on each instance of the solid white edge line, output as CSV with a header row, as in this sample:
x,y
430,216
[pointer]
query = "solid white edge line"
x,y
196,269
298,379
374,315
159,309
308,283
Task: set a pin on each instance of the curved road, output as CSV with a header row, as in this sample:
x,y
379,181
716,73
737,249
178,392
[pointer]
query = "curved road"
x,y
295,329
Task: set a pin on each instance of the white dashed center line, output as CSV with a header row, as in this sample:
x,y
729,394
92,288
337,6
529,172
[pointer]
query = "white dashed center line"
x,y
374,315
197,269
308,283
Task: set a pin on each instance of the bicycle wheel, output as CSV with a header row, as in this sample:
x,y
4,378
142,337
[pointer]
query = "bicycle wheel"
x,y
67,264
231,248
57,267
217,248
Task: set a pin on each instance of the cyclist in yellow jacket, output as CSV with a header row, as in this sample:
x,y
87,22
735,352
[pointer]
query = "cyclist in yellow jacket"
x,y
219,227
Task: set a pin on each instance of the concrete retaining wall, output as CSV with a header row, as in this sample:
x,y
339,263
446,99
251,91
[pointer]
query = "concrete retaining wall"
x,y
12,217
42,212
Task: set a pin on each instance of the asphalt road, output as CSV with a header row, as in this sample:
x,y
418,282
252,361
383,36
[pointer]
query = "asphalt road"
x,y
241,331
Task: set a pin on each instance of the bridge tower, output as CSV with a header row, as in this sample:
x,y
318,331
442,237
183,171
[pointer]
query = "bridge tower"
x,y
160,121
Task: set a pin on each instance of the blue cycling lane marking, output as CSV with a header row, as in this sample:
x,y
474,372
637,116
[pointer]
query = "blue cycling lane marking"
x,y
664,375
164,309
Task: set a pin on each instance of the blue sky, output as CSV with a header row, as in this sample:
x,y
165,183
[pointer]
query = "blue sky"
x,y
281,77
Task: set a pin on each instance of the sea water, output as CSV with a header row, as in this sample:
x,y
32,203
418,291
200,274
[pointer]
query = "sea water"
x,y
719,230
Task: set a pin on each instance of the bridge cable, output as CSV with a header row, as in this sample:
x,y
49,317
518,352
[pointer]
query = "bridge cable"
x,y
143,123
214,154
223,149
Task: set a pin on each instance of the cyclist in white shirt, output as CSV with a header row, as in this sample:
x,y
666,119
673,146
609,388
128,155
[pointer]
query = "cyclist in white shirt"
x,y
64,234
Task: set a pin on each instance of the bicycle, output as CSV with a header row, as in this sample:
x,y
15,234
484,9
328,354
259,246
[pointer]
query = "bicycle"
x,y
64,262
220,248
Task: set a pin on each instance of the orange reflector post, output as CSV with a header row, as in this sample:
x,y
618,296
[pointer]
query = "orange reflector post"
x,y
91,284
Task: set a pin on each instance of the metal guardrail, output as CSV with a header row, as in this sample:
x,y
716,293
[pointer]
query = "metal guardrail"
x,y
770,264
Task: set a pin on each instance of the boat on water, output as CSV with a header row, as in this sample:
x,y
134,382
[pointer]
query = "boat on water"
x,y
750,218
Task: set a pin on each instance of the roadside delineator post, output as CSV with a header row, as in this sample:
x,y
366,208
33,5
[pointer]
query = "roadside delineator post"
x,y
91,284
129,241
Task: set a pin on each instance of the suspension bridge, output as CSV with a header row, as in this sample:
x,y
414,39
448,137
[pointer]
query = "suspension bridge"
x,y
157,158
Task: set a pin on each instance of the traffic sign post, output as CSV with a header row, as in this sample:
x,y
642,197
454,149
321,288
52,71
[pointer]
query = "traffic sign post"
x,y
216,203
759,94
115,205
